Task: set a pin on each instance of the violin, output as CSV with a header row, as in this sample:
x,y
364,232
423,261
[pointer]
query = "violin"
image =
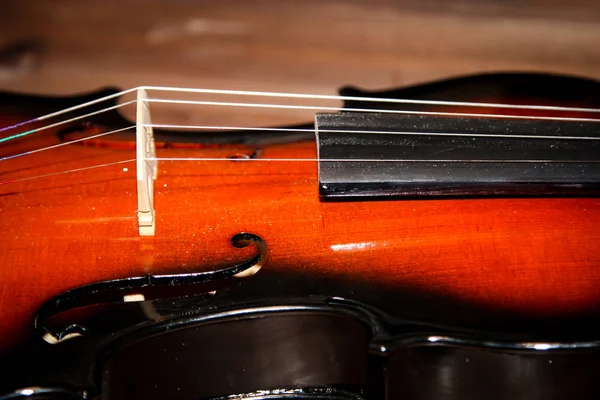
x,y
358,253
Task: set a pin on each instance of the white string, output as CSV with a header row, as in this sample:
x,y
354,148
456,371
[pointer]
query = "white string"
x,y
292,160
309,96
471,135
366,160
302,107
87,104
366,110
225,128
368,99
66,143
45,127
66,172
207,127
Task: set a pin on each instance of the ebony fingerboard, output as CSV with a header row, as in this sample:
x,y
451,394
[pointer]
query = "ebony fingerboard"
x,y
411,155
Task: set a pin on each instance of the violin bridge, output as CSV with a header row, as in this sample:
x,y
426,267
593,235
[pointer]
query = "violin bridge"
x,y
146,166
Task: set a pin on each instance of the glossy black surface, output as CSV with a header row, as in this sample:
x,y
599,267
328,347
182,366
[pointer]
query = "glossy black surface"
x,y
434,372
204,347
413,155
287,350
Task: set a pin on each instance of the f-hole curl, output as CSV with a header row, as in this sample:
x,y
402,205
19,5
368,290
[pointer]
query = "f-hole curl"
x,y
144,288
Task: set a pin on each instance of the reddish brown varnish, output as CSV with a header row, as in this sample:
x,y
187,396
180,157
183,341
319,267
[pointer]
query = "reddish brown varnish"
x,y
531,256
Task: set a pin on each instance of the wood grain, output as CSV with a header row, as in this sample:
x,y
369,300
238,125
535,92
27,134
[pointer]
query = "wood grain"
x,y
527,256
524,257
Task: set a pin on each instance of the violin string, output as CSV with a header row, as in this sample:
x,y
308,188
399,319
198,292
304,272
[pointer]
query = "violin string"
x,y
340,160
364,110
270,129
66,143
296,95
69,109
367,99
18,135
67,172
302,107
208,127
274,129
471,135
362,160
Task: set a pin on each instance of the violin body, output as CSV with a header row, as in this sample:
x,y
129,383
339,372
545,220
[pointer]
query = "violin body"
x,y
506,264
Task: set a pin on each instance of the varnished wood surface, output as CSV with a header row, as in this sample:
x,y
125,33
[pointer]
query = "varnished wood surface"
x,y
523,257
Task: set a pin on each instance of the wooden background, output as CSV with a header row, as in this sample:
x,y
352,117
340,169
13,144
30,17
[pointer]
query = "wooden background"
x,y
299,46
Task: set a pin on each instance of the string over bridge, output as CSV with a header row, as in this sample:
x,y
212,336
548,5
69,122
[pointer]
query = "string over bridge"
x,y
146,166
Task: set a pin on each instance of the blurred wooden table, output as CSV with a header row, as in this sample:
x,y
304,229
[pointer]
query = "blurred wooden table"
x,y
303,46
